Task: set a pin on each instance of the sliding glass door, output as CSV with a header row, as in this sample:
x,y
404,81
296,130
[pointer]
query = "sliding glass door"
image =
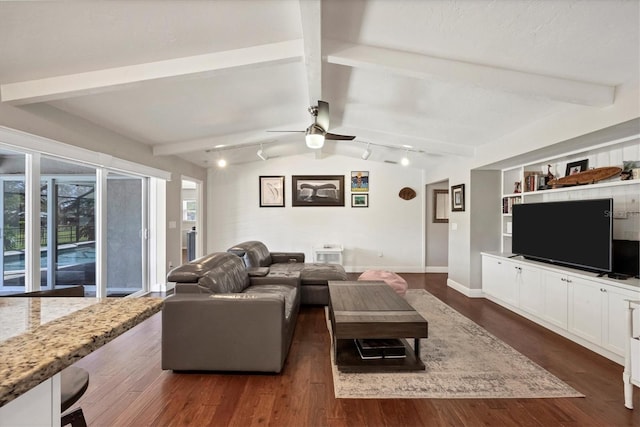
x,y
12,199
92,231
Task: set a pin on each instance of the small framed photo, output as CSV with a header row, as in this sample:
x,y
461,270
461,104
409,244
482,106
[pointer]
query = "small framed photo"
x,y
457,198
359,200
576,167
360,181
272,191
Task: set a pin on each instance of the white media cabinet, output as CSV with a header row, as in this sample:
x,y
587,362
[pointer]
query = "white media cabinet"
x,y
576,304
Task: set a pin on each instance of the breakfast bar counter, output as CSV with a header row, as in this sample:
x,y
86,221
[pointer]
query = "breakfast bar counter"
x,y
39,337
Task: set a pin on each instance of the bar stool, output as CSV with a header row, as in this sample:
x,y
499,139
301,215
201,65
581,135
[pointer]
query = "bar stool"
x,y
73,383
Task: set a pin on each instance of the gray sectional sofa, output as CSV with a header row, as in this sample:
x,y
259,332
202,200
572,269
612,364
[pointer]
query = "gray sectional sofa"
x,y
314,277
222,319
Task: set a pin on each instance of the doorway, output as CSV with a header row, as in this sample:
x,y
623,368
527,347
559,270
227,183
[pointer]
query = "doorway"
x,y
191,224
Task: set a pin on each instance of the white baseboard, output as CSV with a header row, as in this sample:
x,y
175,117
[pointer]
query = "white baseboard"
x,y
395,269
471,293
436,269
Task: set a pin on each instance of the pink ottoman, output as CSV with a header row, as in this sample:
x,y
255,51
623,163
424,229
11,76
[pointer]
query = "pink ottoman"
x,y
392,279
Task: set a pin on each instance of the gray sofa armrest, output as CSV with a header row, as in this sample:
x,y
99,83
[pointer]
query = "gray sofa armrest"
x,y
284,257
224,332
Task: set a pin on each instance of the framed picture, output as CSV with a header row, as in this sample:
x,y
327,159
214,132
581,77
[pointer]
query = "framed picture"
x,y
577,167
359,200
317,190
272,191
457,198
440,206
360,181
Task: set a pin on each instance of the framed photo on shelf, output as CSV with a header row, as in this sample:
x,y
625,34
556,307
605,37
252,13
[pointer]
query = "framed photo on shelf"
x,y
457,198
577,167
271,191
360,181
317,190
359,200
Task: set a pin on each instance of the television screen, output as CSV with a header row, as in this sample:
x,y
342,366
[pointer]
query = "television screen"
x,y
576,233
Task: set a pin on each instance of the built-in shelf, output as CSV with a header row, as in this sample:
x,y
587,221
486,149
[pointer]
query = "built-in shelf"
x,y
612,153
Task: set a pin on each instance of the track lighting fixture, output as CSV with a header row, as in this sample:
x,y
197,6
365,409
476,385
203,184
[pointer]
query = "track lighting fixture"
x,y
367,152
263,156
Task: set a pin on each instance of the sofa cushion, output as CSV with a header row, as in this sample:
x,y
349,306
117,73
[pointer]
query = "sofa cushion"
x,y
289,293
228,276
320,274
253,253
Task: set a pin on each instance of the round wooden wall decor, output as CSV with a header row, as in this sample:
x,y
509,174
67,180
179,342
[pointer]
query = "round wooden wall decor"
x,y
407,193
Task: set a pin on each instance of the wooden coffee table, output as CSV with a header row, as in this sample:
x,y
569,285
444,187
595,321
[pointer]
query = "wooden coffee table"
x,y
363,309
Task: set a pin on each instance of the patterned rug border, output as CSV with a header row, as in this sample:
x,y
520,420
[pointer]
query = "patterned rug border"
x,y
388,386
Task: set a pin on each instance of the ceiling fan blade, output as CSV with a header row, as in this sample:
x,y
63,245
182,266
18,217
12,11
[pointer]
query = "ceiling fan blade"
x,y
339,137
323,115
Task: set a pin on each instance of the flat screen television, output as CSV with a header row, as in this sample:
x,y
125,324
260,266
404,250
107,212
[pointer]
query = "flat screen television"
x,y
576,233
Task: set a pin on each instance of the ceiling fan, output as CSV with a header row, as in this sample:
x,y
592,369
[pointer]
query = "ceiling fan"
x,y
316,133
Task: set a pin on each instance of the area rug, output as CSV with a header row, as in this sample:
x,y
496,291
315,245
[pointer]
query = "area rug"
x,y
462,360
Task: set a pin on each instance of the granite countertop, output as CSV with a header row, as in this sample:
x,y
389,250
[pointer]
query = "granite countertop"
x,y
39,337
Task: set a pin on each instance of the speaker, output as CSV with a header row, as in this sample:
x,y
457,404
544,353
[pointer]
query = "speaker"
x,y
626,257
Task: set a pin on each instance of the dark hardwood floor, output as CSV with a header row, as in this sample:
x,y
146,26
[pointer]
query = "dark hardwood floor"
x,y
128,388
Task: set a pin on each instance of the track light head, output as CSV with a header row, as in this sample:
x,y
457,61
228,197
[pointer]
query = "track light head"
x,y
367,153
263,156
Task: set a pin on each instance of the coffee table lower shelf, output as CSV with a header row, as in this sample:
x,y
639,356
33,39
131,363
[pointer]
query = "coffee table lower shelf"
x,y
348,360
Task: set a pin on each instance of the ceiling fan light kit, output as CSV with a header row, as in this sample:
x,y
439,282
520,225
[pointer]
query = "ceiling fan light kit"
x,y
316,133
314,137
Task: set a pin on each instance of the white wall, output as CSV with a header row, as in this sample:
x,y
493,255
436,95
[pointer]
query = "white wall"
x,y
485,228
390,226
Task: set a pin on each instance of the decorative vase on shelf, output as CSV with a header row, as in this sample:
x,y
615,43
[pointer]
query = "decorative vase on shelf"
x,y
516,187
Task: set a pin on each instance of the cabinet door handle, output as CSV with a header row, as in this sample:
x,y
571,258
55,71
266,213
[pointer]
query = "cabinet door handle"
x,y
569,281
603,290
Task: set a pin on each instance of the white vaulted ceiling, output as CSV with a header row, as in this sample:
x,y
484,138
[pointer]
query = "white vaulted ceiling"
x,y
443,77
